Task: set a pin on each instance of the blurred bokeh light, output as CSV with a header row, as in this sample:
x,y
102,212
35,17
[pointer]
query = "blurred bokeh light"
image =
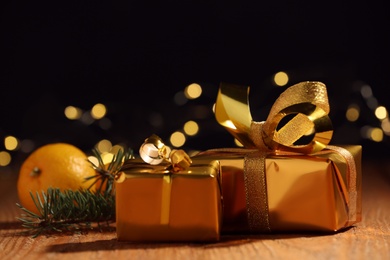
x,y
110,75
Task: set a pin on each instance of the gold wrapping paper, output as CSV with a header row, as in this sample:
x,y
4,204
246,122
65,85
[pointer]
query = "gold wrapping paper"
x,y
154,204
287,177
303,192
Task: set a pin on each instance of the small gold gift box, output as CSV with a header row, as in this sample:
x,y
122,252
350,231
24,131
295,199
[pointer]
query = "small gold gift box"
x,y
155,204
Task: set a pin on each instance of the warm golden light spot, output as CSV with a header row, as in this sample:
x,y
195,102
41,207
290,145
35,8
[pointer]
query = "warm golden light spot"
x,y
193,91
386,126
72,113
310,131
352,113
381,112
107,157
5,158
98,111
177,139
116,148
104,146
281,78
191,128
11,143
238,143
376,134
93,160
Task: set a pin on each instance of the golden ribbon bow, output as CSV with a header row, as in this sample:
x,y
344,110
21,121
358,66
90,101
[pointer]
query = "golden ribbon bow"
x,y
307,100
307,107
153,151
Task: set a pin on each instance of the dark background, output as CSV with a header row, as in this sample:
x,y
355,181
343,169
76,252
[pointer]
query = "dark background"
x,y
135,56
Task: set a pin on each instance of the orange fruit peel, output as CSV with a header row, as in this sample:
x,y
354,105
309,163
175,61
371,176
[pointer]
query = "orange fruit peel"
x,y
55,165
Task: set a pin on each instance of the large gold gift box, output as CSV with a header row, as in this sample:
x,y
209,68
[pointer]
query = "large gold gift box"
x,y
297,192
286,177
154,204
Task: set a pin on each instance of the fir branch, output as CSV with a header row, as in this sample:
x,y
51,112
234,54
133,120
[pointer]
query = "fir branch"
x,y
106,174
75,210
67,210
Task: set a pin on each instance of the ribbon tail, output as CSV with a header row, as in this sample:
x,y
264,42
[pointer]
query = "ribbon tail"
x,y
352,181
351,196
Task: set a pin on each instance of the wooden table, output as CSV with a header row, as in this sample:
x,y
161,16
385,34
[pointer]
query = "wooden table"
x,y
369,239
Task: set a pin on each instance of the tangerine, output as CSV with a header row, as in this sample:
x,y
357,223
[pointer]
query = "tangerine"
x,y
55,165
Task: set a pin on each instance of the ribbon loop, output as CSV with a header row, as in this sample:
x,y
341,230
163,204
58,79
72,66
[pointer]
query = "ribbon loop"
x,y
305,106
153,151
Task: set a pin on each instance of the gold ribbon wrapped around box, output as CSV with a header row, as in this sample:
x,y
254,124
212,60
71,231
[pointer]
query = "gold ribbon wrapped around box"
x,y
275,184
161,202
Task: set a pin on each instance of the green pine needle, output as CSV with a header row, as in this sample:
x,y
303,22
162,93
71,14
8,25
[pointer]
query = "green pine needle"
x,y
72,211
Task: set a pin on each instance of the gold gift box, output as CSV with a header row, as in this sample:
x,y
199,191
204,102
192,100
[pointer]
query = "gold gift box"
x,y
154,204
303,192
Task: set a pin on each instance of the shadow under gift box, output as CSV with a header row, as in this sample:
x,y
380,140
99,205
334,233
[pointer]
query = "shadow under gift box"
x,y
154,204
303,192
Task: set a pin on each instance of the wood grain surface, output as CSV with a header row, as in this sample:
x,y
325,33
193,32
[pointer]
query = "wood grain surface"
x,y
369,239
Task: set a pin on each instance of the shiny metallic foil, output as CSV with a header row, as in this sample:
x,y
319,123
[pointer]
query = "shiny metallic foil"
x,y
303,192
153,204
